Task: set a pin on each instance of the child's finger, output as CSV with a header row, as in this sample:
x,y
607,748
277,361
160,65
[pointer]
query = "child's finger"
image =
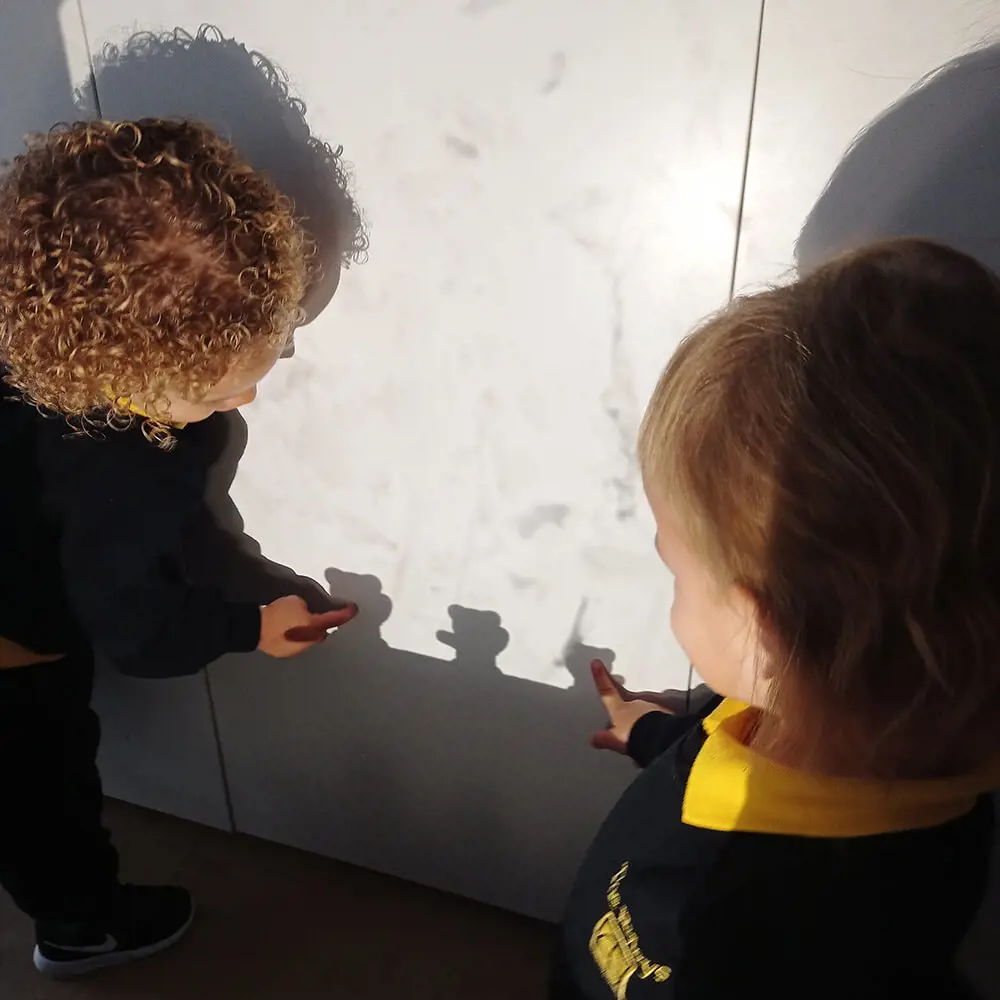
x,y
607,689
605,739
318,627
305,633
335,618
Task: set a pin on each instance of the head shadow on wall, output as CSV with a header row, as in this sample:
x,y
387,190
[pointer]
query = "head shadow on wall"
x,y
927,166
245,97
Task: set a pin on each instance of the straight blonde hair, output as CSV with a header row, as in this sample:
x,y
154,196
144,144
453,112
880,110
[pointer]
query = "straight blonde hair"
x,y
831,446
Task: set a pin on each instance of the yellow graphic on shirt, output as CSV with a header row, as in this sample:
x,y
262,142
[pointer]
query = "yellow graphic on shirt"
x,y
615,945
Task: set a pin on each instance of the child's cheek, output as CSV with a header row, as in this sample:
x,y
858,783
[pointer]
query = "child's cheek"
x,y
675,612
193,413
682,626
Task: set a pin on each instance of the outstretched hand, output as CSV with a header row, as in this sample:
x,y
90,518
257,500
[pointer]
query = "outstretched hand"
x,y
288,627
624,709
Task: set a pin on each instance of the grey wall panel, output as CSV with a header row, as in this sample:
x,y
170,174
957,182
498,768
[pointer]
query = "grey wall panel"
x,y
445,772
158,746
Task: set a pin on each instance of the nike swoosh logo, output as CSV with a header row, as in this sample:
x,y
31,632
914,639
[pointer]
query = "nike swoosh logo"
x,y
109,944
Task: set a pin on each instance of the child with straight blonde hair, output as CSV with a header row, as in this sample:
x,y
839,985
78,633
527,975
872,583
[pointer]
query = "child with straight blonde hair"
x,y
823,463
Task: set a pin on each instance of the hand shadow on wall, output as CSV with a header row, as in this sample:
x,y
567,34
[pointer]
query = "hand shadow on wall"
x,y
438,769
927,166
245,97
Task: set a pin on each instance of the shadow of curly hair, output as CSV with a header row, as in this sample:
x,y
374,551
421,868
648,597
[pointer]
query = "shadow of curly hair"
x,y
246,98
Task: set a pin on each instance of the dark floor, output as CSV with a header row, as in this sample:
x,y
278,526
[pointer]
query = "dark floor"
x,y
277,924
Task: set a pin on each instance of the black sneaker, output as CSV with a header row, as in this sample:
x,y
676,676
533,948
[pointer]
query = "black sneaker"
x,y
146,920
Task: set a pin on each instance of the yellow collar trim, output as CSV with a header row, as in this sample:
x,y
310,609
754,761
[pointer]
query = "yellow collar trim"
x,y
124,403
733,788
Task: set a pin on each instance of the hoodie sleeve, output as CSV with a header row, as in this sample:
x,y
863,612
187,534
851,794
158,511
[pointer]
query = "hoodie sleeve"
x,y
121,567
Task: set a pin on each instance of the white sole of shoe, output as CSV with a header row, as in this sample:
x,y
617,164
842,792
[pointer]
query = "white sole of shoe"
x,y
70,970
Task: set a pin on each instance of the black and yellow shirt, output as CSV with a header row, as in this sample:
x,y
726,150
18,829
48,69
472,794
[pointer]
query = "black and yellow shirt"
x,y
94,528
721,874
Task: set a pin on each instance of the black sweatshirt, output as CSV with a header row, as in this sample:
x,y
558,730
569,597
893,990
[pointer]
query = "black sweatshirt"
x,y
91,555
720,874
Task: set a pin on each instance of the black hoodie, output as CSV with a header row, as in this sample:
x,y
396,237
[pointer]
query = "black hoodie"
x,y
92,538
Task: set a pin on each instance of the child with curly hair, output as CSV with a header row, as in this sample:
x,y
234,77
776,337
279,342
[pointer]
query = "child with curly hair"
x,y
821,461
150,280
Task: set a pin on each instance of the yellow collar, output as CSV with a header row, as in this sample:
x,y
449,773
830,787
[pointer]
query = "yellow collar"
x,y
124,403
733,788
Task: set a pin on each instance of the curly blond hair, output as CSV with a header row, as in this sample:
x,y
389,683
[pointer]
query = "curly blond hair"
x,y
137,257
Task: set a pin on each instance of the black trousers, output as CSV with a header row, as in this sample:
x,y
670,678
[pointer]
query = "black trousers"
x,y
56,860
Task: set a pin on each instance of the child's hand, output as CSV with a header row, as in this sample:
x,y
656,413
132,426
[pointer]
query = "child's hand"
x,y
288,627
624,710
